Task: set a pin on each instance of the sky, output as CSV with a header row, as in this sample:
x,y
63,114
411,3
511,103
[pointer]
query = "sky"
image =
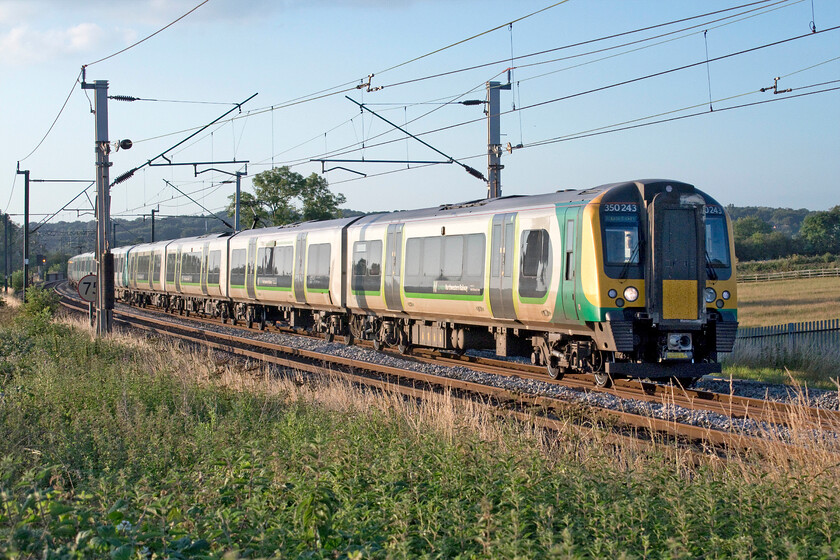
x,y
304,58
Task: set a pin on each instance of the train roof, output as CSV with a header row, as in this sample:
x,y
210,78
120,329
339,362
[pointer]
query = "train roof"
x,y
299,226
513,203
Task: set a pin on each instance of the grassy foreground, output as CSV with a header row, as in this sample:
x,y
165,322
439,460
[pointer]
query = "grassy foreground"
x,y
135,448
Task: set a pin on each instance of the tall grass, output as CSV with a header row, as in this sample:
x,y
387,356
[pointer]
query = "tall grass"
x,y
137,447
773,360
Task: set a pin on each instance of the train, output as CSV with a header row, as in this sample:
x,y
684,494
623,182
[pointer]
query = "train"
x,y
626,280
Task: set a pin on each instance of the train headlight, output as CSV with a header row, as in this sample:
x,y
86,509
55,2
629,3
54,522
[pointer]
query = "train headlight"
x,y
619,302
719,303
631,293
710,295
612,293
725,294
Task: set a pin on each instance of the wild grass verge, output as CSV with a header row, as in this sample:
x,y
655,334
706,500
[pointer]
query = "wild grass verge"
x,y
811,364
139,448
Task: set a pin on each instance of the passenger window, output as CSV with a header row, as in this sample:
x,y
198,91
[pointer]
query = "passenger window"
x,y
237,268
474,256
535,265
413,257
170,267
431,257
214,263
318,267
156,270
453,264
367,266
453,257
570,250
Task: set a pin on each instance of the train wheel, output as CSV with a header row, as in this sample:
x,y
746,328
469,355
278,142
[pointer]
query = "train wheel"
x,y
329,337
603,380
554,369
404,348
349,340
377,344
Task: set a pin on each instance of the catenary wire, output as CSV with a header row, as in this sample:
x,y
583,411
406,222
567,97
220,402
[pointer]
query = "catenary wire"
x,y
144,39
72,89
603,88
579,136
681,117
329,91
473,37
599,39
637,49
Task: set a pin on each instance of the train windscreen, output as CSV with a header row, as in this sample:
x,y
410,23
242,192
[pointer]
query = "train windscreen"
x,y
717,243
622,240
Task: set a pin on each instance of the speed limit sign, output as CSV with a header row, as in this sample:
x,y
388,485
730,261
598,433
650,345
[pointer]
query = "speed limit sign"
x,y
87,288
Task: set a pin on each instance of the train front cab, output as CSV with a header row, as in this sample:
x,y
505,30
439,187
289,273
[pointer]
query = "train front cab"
x,y
662,285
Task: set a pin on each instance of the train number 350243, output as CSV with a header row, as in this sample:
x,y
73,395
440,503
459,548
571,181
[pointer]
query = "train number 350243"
x,y
619,207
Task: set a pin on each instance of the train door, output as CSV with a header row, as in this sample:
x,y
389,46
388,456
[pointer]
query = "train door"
x,y
502,243
393,266
204,253
251,269
570,269
678,259
178,271
300,267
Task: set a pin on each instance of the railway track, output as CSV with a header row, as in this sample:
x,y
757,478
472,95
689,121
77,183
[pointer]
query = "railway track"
x,y
542,410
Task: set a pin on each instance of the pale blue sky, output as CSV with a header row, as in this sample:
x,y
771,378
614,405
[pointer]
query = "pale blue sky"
x,y
785,153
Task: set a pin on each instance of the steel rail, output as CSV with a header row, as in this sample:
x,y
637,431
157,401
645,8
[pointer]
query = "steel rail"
x,y
733,406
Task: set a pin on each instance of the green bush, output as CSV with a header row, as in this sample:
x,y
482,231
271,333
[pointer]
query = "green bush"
x,y
40,301
17,280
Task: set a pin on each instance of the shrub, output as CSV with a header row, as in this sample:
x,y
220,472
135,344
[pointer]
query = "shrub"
x,y
17,280
40,302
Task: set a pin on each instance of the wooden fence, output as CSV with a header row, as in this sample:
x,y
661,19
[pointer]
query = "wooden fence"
x,y
820,334
789,274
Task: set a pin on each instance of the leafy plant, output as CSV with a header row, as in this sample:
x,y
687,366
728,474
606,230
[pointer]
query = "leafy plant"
x,y
40,301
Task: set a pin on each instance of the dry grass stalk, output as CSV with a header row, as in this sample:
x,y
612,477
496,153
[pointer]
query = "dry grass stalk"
x,y
797,449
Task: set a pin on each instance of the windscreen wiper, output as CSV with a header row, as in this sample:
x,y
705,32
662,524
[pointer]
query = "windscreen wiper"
x,y
626,268
710,268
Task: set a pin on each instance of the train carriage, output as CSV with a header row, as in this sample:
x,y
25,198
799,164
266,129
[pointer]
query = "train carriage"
x,y
627,279
192,276
290,273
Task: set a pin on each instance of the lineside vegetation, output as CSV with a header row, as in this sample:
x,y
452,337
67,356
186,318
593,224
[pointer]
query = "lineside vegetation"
x,y
141,448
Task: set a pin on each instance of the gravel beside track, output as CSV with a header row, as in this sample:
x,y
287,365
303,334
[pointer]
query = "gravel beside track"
x,y
701,418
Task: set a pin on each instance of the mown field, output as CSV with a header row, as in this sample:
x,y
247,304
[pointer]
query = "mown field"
x,y
788,301
781,302
136,448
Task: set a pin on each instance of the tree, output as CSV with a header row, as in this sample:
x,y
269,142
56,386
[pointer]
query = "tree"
x,y
821,231
748,226
282,196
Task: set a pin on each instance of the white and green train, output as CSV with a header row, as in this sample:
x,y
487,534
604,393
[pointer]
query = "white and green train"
x,y
632,279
